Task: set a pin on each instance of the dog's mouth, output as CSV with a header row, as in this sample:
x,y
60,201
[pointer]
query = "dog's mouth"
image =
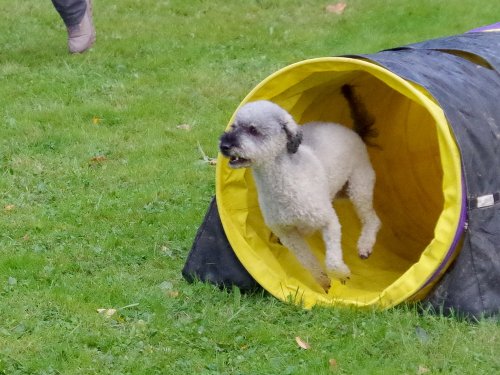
x,y
239,162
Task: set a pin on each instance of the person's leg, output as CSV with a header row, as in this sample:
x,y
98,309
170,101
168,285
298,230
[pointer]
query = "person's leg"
x,y
71,11
77,16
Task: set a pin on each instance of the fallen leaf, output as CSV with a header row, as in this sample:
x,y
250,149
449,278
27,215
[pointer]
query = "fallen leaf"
x,y
303,344
96,120
333,363
173,293
108,313
98,159
26,237
337,8
422,370
185,127
9,207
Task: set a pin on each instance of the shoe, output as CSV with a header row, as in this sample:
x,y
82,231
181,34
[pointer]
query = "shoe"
x,y
82,36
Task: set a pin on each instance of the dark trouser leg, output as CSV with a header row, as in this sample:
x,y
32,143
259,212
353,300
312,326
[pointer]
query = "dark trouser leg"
x,y
71,11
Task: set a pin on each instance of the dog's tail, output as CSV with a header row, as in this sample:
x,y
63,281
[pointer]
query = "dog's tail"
x,y
362,119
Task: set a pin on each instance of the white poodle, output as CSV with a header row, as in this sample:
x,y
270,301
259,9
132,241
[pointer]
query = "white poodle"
x,y
298,171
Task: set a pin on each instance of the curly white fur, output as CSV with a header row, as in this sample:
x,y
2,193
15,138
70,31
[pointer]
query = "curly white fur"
x,y
298,170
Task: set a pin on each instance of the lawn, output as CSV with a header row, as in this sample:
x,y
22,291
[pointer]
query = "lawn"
x,y
103,186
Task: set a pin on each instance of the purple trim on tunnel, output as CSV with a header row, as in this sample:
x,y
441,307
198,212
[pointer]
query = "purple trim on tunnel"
x,y
458,235
492,27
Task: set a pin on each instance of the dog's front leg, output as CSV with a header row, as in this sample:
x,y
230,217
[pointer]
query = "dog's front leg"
x,y
294,241
335,266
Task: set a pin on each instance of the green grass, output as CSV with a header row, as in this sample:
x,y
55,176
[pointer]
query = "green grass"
x,y
101,193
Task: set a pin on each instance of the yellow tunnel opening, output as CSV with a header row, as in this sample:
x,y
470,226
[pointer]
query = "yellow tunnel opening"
x,y
418,193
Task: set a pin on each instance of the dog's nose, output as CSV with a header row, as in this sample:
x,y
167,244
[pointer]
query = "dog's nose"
x,y
226,143
224,147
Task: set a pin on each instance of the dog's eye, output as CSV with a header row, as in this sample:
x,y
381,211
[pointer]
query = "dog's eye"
x,y
253,130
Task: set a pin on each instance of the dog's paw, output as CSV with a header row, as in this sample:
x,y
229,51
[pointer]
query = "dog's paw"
x,y
364,253
340,272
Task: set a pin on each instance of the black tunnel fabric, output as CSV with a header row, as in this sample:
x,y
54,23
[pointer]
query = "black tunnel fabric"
x,y
212,259
484,45
469,94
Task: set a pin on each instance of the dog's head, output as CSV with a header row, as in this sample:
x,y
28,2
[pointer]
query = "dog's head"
x,y
261,131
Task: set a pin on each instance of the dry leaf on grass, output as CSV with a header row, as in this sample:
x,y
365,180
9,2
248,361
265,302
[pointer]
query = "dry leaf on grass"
x,y
333,363
108,313
303,344
337,8
99,159
185,127
173,293
9,207
422,370
96,120
169,290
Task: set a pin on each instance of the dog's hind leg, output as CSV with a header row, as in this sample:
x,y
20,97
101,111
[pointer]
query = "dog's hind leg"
x,y
360,192
294,241
335,266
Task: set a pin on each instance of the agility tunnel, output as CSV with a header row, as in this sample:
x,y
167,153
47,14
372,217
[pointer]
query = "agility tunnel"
x,y
437,160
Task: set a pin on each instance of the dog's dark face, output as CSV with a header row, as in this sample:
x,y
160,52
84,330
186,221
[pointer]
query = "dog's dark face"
x,y
261,131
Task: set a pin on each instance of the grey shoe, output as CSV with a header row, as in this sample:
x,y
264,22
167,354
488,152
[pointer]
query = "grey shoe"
x,y
82,36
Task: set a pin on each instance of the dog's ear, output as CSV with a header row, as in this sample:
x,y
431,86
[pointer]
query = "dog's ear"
x,y
293,133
